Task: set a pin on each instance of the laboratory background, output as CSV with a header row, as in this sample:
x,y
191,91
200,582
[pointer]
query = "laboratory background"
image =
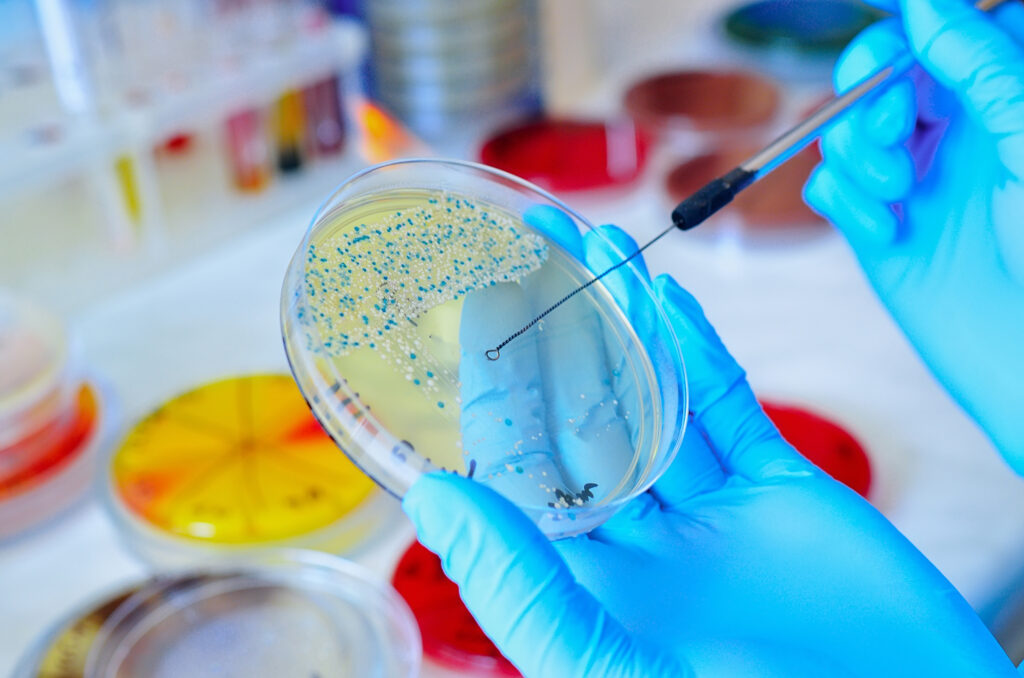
x,y
174,498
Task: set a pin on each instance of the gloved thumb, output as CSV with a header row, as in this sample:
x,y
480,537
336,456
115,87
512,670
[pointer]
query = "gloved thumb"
x,y
519,589
970,53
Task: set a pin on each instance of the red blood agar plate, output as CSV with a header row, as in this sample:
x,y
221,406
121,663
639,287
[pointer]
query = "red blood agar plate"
x,y
725,103
827,445
450,635
569,155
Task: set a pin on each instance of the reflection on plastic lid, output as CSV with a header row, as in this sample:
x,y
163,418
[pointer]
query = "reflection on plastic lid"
x,y
569,155
827,445
450,634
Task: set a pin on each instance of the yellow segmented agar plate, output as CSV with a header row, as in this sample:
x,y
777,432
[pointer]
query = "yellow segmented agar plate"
x,y
234,462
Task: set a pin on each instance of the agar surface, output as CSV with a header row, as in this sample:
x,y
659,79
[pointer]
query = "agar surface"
x,y
367,284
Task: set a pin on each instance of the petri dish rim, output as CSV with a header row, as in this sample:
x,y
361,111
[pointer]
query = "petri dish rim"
x,y
157,600
293,291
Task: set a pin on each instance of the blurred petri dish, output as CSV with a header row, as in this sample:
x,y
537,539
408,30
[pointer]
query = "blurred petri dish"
x,y
796,41
51,423
806,27
234,466
569,155
294,613
826,444
40,481
37,376
451,637
64,651
410,272
772,209
708,101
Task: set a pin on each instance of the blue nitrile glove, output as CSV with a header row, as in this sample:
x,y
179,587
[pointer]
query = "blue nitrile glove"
x,y
927,184
742,560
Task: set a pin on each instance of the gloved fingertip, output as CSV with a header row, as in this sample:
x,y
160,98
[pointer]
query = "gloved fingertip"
x,y
671,291
618,237
424,502
556,225
812,192
864,221
892,117
873,49
608,245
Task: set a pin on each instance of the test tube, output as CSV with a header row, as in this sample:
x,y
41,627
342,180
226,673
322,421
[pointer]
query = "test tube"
x,y
248,150
324,118
289,130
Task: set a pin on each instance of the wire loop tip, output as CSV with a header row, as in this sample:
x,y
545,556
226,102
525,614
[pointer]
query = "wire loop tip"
x,y
493,354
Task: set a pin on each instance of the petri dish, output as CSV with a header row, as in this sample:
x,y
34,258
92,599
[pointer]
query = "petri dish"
x,y
51,421
805,27
728,104
233,466
796,41
451,637
64,651
411,271
38,486
569,155
37,377
827,445
294,613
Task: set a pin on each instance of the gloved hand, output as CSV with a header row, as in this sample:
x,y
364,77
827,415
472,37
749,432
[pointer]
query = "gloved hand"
x,y
927,184
742,560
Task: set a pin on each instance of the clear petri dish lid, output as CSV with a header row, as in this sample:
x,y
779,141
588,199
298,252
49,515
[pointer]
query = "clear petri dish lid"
x,y
295,613
235,466
412,271
62,652
34,368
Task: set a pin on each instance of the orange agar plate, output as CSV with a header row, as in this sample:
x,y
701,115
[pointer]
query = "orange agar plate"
x,y
237,461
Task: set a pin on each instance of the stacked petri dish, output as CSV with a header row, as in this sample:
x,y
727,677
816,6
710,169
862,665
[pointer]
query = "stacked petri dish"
x,y
454,67
51,421
232,468
394,310
290,612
